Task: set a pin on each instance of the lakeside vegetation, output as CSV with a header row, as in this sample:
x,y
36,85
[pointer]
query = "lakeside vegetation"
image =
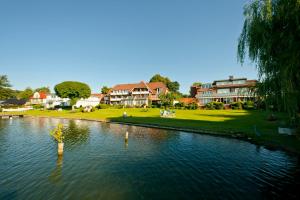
x,y
252,125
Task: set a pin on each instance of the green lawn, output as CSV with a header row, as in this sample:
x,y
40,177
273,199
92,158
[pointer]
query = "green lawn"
x,y
226,122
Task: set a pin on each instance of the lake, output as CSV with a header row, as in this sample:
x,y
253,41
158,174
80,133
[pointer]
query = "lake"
x,y
154,164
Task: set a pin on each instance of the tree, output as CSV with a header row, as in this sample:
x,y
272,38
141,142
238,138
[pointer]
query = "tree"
x,y
72,90
197,84
173,86
271,38
43,89
105,89
26,94
4,83
5,91
168,99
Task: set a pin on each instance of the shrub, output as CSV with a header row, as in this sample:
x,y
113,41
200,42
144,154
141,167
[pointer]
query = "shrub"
x,y
236,105
249,105
179,105
192,106
214,105
38,106
118,106
103,106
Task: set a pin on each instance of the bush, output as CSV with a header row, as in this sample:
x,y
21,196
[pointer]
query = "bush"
x,y
192,106
179,105
236,105
249,105
1,109
103,106
118,106
38,106
214,105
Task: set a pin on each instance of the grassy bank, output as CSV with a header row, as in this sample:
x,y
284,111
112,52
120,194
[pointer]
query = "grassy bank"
x,y
236,123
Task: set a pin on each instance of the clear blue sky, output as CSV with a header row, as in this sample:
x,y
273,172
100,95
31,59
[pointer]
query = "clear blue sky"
x,y
45,42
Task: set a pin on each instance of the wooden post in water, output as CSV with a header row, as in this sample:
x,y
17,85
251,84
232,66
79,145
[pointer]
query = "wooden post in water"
x,y
126,137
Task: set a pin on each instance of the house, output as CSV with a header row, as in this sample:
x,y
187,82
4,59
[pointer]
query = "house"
x,y
38,98
93,101
48,100
136,94
187,101
226,91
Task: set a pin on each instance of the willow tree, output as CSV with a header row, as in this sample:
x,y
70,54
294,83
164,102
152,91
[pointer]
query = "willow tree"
x,y
271,38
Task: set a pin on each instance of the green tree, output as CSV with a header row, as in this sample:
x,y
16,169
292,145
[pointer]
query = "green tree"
x,y
271,38
105,89
26,94
168,99
4,83
5,91
159,78
197,84
173,86
43,89
72,90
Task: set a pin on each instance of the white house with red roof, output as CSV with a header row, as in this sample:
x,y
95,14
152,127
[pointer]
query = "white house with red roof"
x,y
38,98
48,100
136,94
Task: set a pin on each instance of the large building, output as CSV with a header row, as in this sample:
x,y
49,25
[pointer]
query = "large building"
x,y
136,94
226,91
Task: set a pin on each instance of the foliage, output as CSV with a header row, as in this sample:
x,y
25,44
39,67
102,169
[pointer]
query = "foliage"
x,y
236,105
38,106
197,84
7,93
179,105
173,86
57,133
270,37
249,105
72,90
26,94
167,99
43,89
214,105
192,106
4,83
105,89
103,106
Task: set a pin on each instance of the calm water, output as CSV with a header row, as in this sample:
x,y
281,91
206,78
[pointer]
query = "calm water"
x,y
155,164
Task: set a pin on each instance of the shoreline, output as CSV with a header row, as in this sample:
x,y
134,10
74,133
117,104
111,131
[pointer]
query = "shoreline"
x,y
225,134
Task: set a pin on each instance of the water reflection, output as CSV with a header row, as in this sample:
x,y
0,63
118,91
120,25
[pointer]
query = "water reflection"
x,y
55,176
76,134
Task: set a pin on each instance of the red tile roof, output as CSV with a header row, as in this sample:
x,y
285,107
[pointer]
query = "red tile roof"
x,y
150,86
41,94
188,100
99,95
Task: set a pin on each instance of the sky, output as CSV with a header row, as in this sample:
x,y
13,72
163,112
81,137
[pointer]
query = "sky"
x,y
43,42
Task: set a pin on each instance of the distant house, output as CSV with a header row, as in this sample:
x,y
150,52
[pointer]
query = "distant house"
x,y
93,100
38,98
136,94
48,100
226,91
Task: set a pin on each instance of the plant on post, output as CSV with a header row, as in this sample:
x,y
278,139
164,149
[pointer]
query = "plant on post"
x,y
57,134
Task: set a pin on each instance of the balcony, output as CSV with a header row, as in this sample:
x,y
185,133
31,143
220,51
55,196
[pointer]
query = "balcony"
x,y
115,99
140,92
119,93
231,94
